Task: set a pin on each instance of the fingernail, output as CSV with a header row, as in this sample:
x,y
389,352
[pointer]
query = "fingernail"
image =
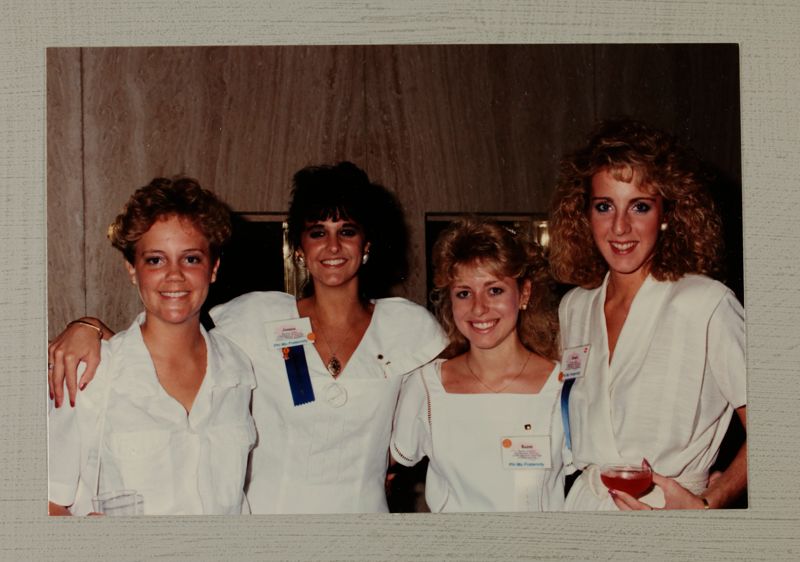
x,y
612,493
82,386
51,395
72,402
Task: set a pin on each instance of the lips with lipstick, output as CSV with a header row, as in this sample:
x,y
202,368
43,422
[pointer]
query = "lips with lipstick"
x,y
173,294
622,248
483,325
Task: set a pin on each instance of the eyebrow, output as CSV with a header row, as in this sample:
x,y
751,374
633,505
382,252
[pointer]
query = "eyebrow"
x,y
187,250
318,224
634,200
486,284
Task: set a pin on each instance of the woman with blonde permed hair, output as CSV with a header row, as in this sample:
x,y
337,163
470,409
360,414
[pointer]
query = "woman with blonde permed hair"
x,y
634,226
485,413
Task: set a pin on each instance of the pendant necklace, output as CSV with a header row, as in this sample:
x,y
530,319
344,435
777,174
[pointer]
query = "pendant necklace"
x,y
477,378
333,365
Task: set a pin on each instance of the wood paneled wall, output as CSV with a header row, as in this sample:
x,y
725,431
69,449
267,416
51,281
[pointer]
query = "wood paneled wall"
x,y
449,128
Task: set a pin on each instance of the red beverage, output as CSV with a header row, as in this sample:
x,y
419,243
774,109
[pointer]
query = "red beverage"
x,y
631,479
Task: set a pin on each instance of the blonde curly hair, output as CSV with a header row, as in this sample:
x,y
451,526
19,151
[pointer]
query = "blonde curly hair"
x,y
635,152
473,240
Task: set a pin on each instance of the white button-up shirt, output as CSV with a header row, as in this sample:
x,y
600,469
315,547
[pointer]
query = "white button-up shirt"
x,y
181,464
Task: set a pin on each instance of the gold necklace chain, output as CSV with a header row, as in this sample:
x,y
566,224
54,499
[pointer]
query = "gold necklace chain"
x,y
334,365
477,378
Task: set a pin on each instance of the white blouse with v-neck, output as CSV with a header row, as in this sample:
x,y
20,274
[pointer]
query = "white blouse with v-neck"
x,y
327,456
669,391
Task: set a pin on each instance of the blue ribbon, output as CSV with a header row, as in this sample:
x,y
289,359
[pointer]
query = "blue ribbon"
x,y
297,372
565,390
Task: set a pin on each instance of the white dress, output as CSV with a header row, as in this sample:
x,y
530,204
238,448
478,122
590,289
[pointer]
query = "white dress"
x,y
182,465
462,435
676,376
327,456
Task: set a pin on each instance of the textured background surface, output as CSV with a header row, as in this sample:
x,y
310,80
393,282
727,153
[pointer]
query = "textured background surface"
x,y
770,55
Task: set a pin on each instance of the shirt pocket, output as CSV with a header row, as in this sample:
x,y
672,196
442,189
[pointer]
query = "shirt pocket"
x,y
230,446
143,462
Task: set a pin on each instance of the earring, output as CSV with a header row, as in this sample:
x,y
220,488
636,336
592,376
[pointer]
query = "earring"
x,y
663,226
365,258
523,306
301,261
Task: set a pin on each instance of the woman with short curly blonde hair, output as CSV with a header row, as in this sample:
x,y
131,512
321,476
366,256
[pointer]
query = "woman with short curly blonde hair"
x,y
170,404
485,412
635,227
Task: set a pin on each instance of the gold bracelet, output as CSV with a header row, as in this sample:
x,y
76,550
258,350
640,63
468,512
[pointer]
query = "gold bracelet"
x,y
85,323
705,503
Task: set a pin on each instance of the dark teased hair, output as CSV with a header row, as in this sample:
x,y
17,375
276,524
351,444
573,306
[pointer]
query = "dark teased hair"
x,y
473,240
344,192
163,198
635,152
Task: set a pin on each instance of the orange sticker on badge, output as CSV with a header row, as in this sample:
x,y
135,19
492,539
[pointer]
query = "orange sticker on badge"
x,y
311,337
506,443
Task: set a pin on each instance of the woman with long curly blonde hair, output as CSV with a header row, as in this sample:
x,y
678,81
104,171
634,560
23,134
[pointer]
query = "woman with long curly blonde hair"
x,y
633,225
485,413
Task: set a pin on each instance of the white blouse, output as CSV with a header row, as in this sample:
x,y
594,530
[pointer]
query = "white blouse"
x,y
329,455
463,437
668,394
181,464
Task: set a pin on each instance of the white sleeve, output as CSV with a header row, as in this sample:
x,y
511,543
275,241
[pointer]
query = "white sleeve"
x,y
242,319
72,440
411,437
726,345
412,333
69,430
64,454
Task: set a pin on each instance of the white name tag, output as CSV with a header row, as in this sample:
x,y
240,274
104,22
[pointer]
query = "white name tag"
x,y
526,452
573,362
289,333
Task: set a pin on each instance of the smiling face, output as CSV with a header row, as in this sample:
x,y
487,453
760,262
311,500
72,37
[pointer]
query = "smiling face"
x,y
172,269
333,251
486,305
625,223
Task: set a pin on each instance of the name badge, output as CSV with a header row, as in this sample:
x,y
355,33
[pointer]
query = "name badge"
x,y
573,362
526,452
289,333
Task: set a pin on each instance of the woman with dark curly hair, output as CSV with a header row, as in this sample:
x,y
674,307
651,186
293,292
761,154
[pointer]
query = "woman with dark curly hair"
x,y
329,365
168,415
485,413
635,227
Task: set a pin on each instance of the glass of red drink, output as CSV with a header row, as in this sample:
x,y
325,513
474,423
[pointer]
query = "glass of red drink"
x,y
634,479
